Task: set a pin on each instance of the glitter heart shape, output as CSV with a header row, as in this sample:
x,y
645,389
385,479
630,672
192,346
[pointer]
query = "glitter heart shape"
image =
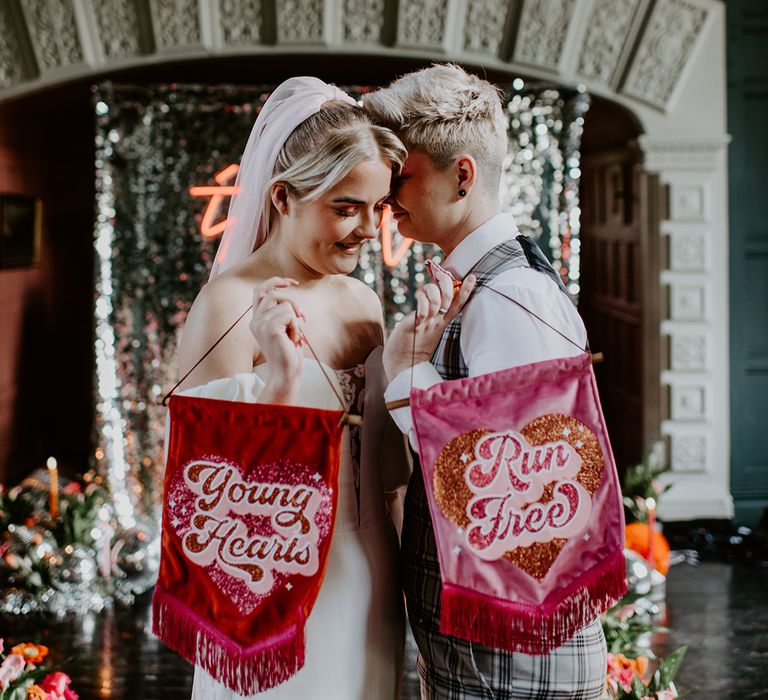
x,y
453,494
252,532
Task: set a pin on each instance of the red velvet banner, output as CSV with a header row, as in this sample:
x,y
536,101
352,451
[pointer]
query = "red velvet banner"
x,y
249,506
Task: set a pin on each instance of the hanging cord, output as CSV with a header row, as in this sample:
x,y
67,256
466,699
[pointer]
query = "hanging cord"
x,y
400,403
413,347
167,397
346,417
595,357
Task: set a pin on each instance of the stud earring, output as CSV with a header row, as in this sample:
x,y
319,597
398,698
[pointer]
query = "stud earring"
x,y
462,193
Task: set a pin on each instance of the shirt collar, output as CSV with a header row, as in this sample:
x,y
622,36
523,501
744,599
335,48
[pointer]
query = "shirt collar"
x,y
484,238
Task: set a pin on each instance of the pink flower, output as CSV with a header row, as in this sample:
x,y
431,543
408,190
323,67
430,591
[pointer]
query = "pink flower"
x,y
11,669
71,488
56,684
624,678
666,694
1,645
625,612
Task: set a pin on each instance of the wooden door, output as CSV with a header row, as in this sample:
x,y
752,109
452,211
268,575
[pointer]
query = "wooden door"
x,y
619,295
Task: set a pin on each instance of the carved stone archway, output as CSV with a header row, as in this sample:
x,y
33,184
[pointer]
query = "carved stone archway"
x,y
636,49
663,60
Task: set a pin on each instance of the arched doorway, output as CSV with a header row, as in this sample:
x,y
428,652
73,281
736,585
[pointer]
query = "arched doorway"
x,y
619,259
678,95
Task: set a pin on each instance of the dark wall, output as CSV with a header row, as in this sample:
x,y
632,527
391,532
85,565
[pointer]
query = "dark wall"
x,y
748,125
46,150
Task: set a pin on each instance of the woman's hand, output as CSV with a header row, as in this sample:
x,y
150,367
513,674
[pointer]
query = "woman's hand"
x,y
276,325
436,307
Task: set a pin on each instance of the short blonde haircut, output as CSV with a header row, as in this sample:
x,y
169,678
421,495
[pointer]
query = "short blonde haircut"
x,y
325,147
444,111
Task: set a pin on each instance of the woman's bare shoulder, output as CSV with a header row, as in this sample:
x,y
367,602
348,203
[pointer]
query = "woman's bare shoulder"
x,y
217,307
365,297
218,303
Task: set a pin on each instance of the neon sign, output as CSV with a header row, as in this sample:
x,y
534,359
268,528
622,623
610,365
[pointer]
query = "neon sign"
x,y
217,194
222,189
391,257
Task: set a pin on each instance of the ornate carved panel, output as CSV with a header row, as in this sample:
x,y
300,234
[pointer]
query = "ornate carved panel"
x,y
176,22
484,25
53,32
665,47
688,403
11,64
363,20
608,28
300,20
682,153
688,202
118,25
240,21
687,302
689,453
421,22
687,251
543,27
689,352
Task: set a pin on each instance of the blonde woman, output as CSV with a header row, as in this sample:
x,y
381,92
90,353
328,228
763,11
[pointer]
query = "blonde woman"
x,y
313,181
454,128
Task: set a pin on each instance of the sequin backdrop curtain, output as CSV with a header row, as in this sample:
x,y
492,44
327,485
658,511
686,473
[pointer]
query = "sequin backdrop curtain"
x,y
540,181
152,145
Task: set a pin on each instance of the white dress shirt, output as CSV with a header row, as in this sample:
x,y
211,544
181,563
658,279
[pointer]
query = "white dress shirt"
x,y
496,333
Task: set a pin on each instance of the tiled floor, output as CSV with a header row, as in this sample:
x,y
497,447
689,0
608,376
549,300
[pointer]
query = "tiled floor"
x,y
719,610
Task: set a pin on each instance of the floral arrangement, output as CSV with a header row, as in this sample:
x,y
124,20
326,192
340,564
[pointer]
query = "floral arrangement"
x,y
32,535
626,625
24,676
630,679
62,547
638,539
641,487
633,672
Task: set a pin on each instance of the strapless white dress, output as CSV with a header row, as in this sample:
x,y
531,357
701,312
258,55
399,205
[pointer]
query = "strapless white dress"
x,y
355,632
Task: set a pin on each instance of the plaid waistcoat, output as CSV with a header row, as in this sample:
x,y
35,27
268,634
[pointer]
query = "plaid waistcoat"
x,y
447,358
421,569
451,668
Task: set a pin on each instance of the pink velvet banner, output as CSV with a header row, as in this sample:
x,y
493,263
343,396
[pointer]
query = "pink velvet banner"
x,y
525,503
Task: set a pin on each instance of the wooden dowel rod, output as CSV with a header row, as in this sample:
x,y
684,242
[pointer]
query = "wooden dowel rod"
x,y
349,419
596,357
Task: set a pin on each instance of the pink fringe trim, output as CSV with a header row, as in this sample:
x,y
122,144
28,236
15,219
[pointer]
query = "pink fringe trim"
x,y
538,630
245,670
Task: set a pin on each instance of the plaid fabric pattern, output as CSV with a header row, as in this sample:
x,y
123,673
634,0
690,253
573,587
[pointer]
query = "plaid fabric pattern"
x,y
447,358
452,668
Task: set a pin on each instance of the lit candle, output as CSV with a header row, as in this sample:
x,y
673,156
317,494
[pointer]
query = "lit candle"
x,y
53,473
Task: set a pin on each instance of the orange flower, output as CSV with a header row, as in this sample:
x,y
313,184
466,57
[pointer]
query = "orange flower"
x,y
31,653
619,665
638,539
35,692
641,666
